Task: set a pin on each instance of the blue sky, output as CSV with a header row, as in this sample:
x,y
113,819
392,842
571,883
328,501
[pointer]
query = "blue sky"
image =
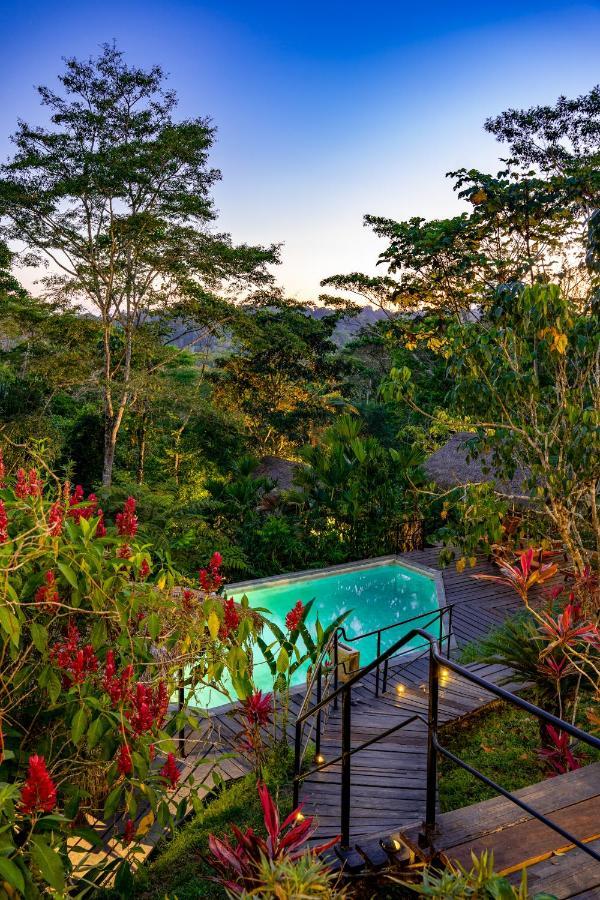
x,y
325,111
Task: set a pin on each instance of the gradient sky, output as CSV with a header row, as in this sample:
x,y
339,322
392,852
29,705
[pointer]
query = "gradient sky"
x,y
325,111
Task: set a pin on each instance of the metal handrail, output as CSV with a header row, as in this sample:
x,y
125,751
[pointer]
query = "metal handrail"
x,y
434,747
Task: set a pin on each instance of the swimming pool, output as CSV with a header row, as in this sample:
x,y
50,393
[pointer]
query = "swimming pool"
x,y
377,593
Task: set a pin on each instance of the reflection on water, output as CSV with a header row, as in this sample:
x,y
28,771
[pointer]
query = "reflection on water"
x,y
374,597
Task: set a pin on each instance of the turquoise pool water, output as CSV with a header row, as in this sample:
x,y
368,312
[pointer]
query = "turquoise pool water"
x,y
375,596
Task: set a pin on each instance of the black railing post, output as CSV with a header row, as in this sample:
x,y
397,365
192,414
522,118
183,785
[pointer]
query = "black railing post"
x,y
385,675
297,752
432,727
346,763
377,670
449,631
336,675
181,704
318,734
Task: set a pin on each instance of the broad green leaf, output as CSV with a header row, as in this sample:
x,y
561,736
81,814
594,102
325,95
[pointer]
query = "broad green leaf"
x,y
48,862
79,724
39,636
68,574
10,624
214,625
9,871
153,625
283,661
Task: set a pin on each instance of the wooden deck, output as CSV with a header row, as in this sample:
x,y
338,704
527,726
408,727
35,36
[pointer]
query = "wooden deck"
x,y
388,778
517,840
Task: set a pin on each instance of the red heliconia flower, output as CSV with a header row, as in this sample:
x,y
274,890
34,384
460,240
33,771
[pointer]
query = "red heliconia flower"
x,y
35,486
128,833
127,521
124,551
160,704
48,593
151,751
3,523
144,569
77,496
216,560
38,794
294,617
2,470
124,763
170,771
21,485
140,716
55,519
257,709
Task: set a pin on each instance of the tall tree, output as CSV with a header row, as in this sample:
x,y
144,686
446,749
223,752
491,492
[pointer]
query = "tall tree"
x,y
115,197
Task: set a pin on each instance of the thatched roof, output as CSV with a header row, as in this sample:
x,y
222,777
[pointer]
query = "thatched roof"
x,y
449,467
280,471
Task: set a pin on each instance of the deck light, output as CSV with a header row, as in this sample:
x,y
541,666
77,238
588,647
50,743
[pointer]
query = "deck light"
x,y
319,758
299,817
400,688
391,845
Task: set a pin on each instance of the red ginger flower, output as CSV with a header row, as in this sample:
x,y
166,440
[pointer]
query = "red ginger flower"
x,y
210,578
127,521
21,486
55,519
75,662
144,569
117,687
170,771
124,763
124,551
294,617
3,523
47,593
258,708
100,527
34,488
128,833
187,599
231,619
38,794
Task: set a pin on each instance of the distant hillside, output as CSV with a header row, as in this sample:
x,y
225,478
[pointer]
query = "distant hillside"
x,y
346,329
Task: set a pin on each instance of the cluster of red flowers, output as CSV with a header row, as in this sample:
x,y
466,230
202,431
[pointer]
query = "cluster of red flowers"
x,y
128,832
75,662
231,619
47,593
38,794
127,521
170,771
144,569
90,510
294,617
2,470
124,763
148,707
211,578
117,686
3,523
28,485
55,519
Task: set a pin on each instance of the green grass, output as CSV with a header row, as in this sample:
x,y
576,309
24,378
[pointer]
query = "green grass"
x,y
502,742
179,870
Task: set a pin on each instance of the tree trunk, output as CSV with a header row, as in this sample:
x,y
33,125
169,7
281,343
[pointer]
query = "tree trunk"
x,y
141,439
110,445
